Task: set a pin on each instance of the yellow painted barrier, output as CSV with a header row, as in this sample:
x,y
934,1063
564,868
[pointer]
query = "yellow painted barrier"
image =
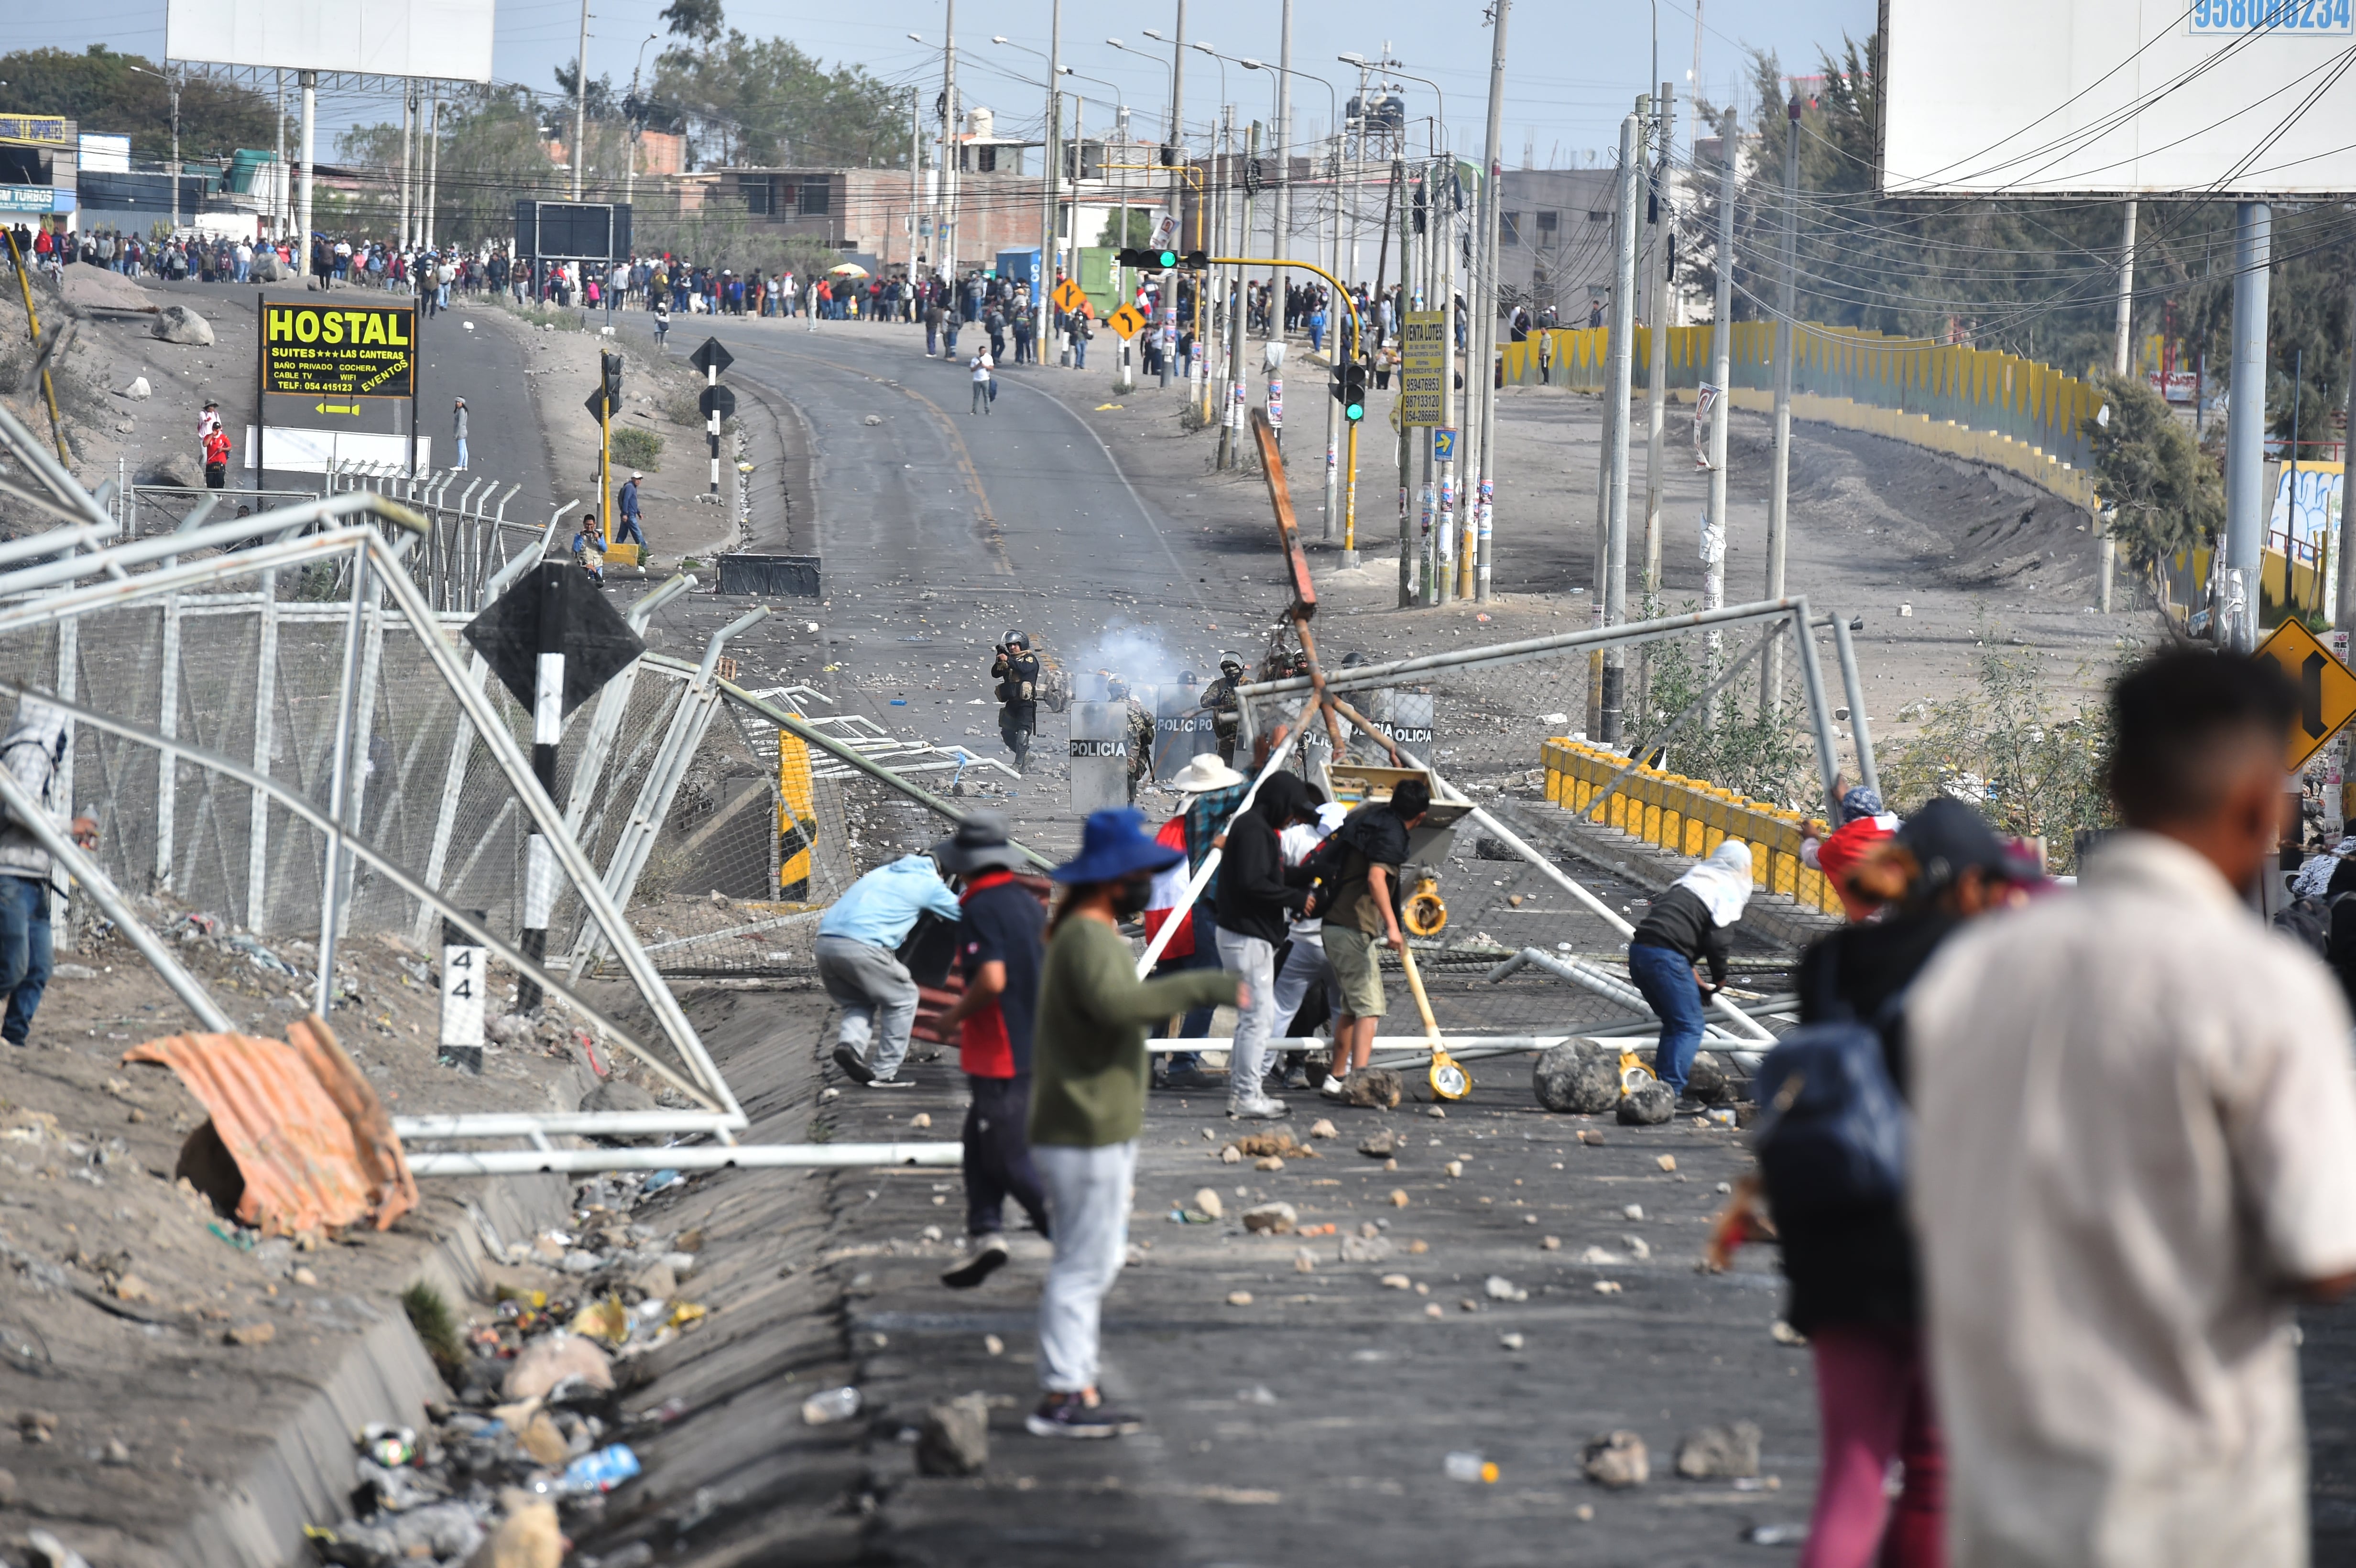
x,y
1687,816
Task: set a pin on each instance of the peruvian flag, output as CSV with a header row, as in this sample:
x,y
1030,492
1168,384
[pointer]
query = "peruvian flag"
x,y
1169,887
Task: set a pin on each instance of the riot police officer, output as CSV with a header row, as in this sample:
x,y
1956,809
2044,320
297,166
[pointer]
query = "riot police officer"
x,y
1016,670
1226,709
1141,732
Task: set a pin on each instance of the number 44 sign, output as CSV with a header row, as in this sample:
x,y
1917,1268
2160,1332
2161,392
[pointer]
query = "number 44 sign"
x,y
463,976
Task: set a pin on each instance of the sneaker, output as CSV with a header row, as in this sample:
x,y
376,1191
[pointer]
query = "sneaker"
x,y
1332,1088
1297,1079
1257,1109
988,1257
895,1081
1069,1415
852,1067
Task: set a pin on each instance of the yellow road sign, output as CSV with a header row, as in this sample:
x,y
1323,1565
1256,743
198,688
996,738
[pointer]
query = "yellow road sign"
x,y
1128,321
1423,365
2326,688
1069,295
335,408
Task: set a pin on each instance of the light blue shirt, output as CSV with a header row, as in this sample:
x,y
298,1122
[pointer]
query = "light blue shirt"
x,y
881,906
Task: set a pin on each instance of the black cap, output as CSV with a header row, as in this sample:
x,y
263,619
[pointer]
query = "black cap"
x,y
1948,837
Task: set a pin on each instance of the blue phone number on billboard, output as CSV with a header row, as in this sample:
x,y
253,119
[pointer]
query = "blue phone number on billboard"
x,y
2236,17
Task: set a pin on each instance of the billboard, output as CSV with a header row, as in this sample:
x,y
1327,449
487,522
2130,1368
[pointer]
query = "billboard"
x,y
2208,98
449,39
572,230
336,380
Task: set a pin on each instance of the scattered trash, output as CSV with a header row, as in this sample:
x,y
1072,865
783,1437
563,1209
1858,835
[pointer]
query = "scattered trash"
x,y
1780,1534
826,1409
1463,1467
660,1179
599,1472
1616,1459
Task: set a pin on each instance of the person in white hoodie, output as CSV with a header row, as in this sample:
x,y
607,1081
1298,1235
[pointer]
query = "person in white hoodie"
x,y
32,752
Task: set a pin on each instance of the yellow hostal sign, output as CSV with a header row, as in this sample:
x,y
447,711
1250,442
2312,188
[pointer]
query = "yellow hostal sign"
x,y
338,350
797,815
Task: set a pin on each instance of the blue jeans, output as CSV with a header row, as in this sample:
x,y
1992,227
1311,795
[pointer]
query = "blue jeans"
x,y
1666,978
629,532
24,952
1195,1025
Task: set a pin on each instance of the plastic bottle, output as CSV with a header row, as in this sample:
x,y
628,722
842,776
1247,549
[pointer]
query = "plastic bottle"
x,y
601,1471
835,1404
1464,1466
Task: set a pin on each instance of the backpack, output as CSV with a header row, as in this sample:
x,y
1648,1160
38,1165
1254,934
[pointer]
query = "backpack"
x,y
1832,1133
2309,920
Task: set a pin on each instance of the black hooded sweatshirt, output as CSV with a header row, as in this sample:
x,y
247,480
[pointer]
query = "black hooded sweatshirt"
x,y
1256,888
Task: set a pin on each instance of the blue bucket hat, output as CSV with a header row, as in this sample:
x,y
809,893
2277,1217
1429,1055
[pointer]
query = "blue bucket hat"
x,y
1114,844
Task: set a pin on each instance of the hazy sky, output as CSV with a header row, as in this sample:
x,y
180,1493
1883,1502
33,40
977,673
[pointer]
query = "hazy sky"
x,y
1572,71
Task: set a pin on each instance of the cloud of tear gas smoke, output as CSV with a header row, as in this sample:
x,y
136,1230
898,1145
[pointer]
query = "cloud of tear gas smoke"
x,y
1138,655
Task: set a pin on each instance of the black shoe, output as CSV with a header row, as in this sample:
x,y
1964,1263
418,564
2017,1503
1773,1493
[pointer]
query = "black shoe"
x,y
1067,1415
988,1256
895,1081
852,1067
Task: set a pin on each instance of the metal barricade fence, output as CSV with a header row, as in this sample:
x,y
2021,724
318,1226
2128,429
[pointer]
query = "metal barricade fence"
x,y
1505,723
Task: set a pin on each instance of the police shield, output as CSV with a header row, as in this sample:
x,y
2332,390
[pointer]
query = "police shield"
x,y
1406,717
1099,755
1181,729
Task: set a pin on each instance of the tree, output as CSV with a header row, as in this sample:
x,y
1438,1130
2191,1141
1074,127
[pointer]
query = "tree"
x,y
2164,493
102,92
766,101
699,20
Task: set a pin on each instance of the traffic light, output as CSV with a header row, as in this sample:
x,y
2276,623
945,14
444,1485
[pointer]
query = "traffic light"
x,y
1350,391
609,364
1152,260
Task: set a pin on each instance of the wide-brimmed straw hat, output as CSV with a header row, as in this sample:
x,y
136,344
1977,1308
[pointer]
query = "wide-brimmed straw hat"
x,y
1204,773
1114,844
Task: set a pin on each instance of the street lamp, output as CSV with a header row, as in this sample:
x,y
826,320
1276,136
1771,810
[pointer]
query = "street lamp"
x,y
637,123
1175,139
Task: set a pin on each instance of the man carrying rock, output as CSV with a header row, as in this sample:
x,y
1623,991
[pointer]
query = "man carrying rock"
x,y
858,947
33,751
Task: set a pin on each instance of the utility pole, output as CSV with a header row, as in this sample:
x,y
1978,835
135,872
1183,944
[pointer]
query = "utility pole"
x,y
309,80
278,169
1657,365
409,155
1049,152
2121,360
916,177
1623,369
1176,158
581,102
1721,372
2344,609
952,156
2246,424
1410,549
1493,199
1771,675
1333,405
1442,226
432,167
1281,226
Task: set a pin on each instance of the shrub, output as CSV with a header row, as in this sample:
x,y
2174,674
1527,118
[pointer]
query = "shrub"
x,y
637,448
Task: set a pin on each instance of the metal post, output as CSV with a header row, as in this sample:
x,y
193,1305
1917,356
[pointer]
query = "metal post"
x,y
1779,485
433,166
1622,344
1051,156
1334,358
408,154
1721,374
2343,614
579,109
2121,360
952,155
1656,370
310,81
1812,677
2246,422
265,717
547,733
323,996
1868,774
1280,225
1492,200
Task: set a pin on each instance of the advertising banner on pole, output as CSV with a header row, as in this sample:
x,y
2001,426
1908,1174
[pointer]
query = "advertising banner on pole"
x,y
1423,366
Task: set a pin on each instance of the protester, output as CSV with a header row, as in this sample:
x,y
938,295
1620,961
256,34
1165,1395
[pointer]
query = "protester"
x,y
1001,951
1255,896
1087,1106
33,751
1850,1256
985,389
1213,792
216,458
1362,915
1864,824
1306,973
458,428
1687,925
2136,1135
858,946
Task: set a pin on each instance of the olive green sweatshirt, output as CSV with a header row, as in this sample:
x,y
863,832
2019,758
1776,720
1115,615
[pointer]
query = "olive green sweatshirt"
x,y
1087,1050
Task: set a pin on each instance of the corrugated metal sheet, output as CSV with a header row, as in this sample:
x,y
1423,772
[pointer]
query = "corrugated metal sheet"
x,y
308,1135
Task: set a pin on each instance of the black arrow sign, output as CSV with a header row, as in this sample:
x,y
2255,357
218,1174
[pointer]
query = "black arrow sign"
x,y
598,644
710,357
721,400
598,405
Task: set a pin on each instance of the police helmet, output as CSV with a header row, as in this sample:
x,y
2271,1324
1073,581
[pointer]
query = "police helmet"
x,y
1018,638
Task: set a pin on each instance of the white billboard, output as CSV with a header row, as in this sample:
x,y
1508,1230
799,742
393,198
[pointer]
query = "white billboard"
x,y
2124,97
448,39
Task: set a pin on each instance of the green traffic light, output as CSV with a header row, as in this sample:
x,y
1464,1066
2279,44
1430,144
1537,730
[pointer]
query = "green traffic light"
x,y
1354,413
1169,259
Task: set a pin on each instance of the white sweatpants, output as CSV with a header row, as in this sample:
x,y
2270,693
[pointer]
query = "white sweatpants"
x,y
1253,964
1087,1204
